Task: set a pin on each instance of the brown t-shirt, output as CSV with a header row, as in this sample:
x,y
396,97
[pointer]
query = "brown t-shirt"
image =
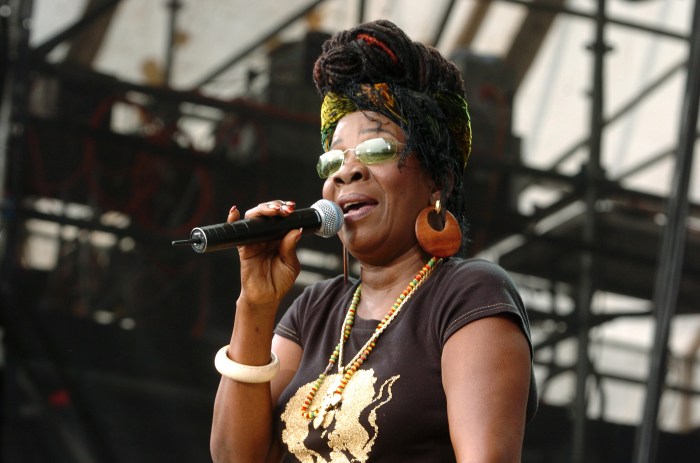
x,y
394,407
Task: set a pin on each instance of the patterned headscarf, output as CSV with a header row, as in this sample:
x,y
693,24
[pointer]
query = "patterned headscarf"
x,y
449,108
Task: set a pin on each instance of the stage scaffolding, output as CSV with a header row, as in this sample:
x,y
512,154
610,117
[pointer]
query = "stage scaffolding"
x,y
614,244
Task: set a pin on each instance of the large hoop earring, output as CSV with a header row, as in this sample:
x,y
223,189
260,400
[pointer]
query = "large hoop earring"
x,y
438,233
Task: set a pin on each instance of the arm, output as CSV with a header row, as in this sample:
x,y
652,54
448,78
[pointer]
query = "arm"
x,y
242,419
486,375
240,411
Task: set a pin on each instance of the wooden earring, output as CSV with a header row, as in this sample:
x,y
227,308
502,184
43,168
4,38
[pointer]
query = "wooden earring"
x,y
438,234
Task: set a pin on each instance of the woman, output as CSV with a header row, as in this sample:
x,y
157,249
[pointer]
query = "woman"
x,y
426,357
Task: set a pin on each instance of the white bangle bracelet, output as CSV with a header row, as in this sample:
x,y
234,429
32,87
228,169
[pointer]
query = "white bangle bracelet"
x,y
245,373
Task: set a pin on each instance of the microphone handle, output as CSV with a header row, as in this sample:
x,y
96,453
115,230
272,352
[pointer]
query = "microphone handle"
x,y
229,235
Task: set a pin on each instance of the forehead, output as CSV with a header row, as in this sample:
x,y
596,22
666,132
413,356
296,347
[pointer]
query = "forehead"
x,y
366,124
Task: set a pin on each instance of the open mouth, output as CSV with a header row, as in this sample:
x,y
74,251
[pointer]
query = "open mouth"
x,y
357,208
349,207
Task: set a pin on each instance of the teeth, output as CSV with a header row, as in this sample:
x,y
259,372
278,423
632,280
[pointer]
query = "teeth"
x,y
347,206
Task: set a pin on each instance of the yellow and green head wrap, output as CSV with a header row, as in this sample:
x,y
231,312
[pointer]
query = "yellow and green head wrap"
x,y
428,114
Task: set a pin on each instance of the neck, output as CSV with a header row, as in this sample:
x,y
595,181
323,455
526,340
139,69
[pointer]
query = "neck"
x,y
382,284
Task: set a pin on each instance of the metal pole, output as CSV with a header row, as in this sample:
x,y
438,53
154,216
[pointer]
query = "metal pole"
x,y
443,22
670,267
634,101
174,7
361,7
586,283
545,6
13,115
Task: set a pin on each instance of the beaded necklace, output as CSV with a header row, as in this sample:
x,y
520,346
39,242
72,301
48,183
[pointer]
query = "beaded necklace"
x,y
335,392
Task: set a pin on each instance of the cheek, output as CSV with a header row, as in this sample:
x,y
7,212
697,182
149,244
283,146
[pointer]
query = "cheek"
x,y
409,186
327,190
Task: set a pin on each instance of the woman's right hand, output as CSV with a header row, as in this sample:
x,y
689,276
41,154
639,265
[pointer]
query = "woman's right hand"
x,y
268,269
242,418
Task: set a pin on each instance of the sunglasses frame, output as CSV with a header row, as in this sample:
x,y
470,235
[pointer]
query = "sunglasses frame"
x,y
365,154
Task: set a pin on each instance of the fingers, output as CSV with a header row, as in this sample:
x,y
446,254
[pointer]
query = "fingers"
x,y
272,208
285,207
279,204
233,214
269,208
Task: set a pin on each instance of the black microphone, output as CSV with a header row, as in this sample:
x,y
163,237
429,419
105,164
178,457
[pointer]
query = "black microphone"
x,y
323,218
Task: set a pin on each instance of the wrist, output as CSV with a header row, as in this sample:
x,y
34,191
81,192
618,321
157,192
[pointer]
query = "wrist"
x,y
257,306
253,327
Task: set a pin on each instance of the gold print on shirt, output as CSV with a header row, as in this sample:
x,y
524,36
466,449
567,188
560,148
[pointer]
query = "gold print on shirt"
x,y
346,437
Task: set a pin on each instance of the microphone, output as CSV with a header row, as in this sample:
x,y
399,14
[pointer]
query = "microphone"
x,y
323,218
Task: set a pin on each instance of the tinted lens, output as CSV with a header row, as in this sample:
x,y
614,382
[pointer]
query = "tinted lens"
x,y
368,152
376,150
329,163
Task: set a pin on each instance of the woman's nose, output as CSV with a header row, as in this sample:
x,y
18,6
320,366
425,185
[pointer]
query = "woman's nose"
x,y
351,170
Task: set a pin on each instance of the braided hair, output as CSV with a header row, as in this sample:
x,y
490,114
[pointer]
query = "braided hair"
x,y
376,67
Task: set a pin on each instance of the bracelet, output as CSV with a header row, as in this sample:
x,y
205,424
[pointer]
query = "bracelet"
x,y
245,373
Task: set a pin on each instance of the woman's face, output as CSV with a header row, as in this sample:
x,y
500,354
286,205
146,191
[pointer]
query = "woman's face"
x,y
380,201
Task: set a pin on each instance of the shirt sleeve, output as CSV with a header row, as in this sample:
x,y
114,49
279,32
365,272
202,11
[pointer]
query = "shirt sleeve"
x,y
288,327
476,289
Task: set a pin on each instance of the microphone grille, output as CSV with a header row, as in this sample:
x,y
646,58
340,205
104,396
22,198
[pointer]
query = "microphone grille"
x,y
331,217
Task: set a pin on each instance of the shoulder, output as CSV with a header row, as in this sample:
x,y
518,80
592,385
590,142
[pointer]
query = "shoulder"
x,y
466,290
475,267
476,275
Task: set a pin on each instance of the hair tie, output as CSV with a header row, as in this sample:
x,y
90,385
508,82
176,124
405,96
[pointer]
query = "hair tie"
x,y
378,43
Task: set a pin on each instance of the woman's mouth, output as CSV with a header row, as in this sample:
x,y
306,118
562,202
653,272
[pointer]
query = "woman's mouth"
x,y
355,210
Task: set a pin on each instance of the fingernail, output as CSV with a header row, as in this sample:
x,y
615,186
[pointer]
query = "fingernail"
x,y
301,231
233,208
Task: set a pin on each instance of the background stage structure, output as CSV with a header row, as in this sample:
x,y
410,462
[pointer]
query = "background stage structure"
x,y
124,124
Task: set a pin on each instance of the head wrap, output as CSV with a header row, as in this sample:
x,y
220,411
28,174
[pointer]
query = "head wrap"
x,y
335,107
452,111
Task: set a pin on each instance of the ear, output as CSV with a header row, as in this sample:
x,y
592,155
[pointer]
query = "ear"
x,y
441,191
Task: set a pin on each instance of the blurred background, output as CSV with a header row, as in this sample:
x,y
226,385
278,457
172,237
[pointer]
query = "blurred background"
x,y
126,123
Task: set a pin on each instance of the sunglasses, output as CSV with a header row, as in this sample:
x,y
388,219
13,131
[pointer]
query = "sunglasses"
x,y
369,151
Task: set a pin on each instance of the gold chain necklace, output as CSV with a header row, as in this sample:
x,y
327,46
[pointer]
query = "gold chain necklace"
x,y
335,393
